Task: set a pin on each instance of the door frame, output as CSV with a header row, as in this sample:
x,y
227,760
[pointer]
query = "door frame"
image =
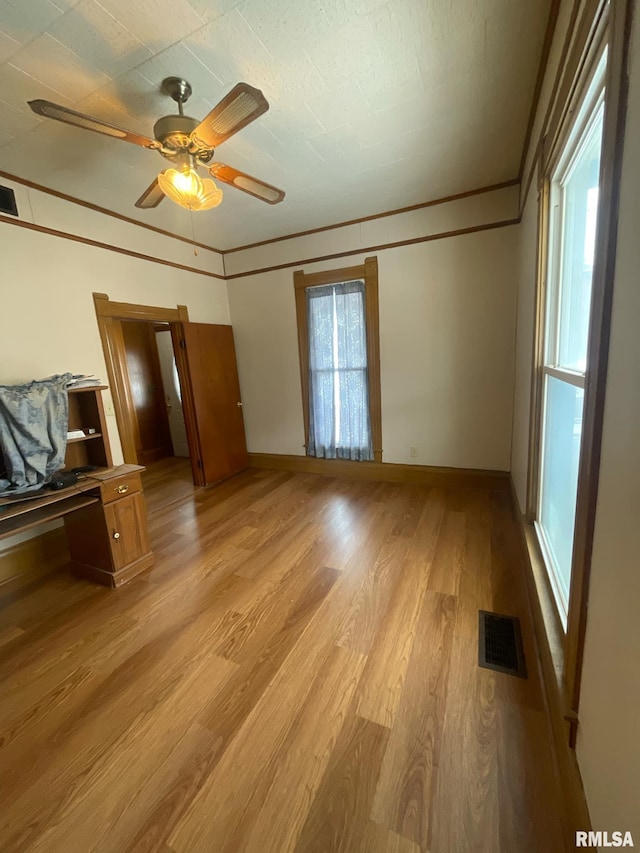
x,y
110,315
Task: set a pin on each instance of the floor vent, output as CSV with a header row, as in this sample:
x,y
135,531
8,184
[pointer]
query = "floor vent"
x,y
500,644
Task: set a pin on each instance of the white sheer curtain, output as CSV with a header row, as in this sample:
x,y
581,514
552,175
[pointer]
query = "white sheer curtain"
x,y
339,426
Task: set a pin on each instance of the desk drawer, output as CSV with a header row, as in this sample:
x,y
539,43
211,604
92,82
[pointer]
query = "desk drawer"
x,y
117,487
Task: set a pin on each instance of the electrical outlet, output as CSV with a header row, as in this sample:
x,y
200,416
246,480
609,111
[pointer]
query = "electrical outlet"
x,y
413,452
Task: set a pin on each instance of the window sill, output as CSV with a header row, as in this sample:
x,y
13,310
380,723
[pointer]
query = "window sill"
x,y
550,617
551,635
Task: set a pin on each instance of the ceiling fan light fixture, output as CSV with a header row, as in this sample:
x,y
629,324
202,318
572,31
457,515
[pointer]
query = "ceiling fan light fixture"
x,y
187,144
186,188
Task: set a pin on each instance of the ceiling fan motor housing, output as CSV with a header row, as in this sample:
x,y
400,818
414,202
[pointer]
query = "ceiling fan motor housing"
x,y
174,130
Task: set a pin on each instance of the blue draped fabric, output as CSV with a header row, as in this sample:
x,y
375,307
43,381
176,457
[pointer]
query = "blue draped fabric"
x,y
33,431
339,425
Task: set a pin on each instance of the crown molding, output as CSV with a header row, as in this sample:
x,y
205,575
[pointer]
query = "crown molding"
x,y
65,235
222,252
472,229
432,203
105,210
442,235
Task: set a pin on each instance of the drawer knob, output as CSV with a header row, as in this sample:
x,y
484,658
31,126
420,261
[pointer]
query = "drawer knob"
x,y
116,535
121,490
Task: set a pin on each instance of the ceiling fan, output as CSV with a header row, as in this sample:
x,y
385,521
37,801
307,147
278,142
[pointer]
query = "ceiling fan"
x,y
188,144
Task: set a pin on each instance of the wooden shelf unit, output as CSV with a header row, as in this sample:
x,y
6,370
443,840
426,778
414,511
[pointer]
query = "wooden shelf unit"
x,y
86,411
104,513
84,437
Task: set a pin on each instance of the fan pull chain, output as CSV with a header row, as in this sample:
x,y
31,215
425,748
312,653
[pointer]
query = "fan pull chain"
x,y
193,234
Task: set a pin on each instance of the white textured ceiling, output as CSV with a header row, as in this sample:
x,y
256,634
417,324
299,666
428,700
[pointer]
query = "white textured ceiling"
x,y
374,105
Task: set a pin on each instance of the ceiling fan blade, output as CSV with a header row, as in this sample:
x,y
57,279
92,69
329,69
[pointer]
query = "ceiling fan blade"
x,y
55,111
151,197
236,110
244,182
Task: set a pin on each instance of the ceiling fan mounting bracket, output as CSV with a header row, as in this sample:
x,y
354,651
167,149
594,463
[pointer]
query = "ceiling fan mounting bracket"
x,y
178,89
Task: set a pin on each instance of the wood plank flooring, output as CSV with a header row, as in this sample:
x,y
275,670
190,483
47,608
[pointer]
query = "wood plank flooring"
x,y
298,672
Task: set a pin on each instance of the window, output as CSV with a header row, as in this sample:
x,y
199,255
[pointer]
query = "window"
x,y
573,195
339,361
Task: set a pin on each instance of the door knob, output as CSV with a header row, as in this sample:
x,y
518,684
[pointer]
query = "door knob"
x,y
116,535
239,405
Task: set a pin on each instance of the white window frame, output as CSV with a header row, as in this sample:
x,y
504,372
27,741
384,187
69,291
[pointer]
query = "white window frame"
x,y
578,137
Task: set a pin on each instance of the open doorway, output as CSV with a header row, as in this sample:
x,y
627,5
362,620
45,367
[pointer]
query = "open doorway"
x,y
172,391
152,438
196,395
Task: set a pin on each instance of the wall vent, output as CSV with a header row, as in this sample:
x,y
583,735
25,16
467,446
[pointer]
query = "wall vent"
x,y
500,644
8,201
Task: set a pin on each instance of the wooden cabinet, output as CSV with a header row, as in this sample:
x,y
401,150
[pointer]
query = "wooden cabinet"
x,y
125,520
108,541
114,488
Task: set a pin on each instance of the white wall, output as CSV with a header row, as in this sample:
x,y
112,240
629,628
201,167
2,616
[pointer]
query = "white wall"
x,y
609,735
446,333
48,323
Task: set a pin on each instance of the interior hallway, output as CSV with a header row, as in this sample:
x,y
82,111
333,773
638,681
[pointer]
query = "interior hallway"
x,y
297,672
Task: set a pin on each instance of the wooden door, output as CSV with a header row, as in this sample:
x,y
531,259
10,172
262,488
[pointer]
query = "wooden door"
x,y
211,397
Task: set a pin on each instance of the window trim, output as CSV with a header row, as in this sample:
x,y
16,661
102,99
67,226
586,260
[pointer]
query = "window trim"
x,y
573,141
610,23
367,272
588,96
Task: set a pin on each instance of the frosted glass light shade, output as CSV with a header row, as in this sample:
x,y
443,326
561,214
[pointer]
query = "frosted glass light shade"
x,y
189,190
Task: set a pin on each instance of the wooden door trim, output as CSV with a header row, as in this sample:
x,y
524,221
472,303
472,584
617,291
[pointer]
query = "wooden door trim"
x,y
109,316
106,307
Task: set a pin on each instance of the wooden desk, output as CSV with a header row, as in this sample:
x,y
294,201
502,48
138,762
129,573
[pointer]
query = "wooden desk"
x,y
105,520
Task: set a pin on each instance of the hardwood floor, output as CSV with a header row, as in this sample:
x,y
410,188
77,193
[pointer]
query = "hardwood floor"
x,y
298,672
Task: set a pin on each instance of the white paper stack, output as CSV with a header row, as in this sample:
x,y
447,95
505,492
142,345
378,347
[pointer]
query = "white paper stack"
x,y
83,380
